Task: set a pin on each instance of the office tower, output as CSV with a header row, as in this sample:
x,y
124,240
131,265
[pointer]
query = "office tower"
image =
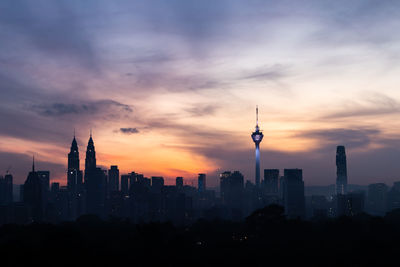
x,y
95,182
201,183
257,137
125,184
8,186
157,183
90,160
179,182
74,175
377,199
293,193
33,195
271,177
6,196
113,179
350,204
393,197
44,177
341,171
232,192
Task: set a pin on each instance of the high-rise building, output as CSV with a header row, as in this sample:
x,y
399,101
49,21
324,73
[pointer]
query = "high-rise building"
x,y
179,182
125,184
377,199
393,197
33,197
341,171
293,193
113,179
74,175
6,186
232,192
90,160
201,183
271,177
257,137
157,183
44,177
95,182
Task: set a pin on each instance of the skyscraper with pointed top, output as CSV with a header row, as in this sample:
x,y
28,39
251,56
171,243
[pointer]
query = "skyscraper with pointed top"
x,y
257,137
32,195
74,176
95,182
90,161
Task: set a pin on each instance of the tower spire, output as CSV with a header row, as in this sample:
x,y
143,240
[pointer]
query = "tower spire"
x,y
33,163
90,132
257,115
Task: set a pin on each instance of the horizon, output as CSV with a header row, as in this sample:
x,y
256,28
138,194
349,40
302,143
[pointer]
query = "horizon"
x,y
170,88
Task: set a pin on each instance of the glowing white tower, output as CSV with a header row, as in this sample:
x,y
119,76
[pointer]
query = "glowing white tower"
x,y
257,137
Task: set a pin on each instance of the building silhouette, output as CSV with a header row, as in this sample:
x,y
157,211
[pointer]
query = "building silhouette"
x,y
293,193
125,184
95,182
377,199
6,189
257,137
271,177
113,178
341,171
179,182
201,180
33,196
74,175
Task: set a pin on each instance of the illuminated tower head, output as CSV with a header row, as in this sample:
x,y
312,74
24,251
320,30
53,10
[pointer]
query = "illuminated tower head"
x,y
257,137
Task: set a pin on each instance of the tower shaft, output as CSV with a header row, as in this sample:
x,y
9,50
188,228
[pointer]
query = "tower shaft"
x,y
257,164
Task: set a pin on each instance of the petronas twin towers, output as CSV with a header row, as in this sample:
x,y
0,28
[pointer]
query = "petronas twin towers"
x,y
90,188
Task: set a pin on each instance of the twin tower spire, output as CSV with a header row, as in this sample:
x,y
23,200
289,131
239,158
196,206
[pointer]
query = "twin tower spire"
x,y
73,156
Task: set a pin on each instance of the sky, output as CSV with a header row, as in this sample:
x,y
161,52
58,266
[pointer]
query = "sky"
x,y
169,88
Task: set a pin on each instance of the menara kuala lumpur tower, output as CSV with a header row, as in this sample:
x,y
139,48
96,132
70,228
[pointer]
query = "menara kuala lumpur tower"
x,y
257,137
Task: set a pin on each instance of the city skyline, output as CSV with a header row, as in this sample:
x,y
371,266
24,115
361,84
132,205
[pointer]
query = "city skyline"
x,y
166,96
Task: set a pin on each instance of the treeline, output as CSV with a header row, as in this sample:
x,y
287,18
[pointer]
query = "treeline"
x,y
265,238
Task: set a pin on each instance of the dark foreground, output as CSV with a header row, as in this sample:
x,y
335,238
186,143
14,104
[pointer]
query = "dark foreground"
x,y
266,238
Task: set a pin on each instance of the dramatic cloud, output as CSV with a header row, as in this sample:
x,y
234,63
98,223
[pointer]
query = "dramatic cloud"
x,y
129,130
350,137
89,108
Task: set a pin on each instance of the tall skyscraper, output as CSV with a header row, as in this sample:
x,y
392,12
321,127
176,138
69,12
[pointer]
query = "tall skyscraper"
x,y
113,178
33,197
125,184
74,175
257,137
293,193
6,189
201,183
271,177
341,171
90,161
95,182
